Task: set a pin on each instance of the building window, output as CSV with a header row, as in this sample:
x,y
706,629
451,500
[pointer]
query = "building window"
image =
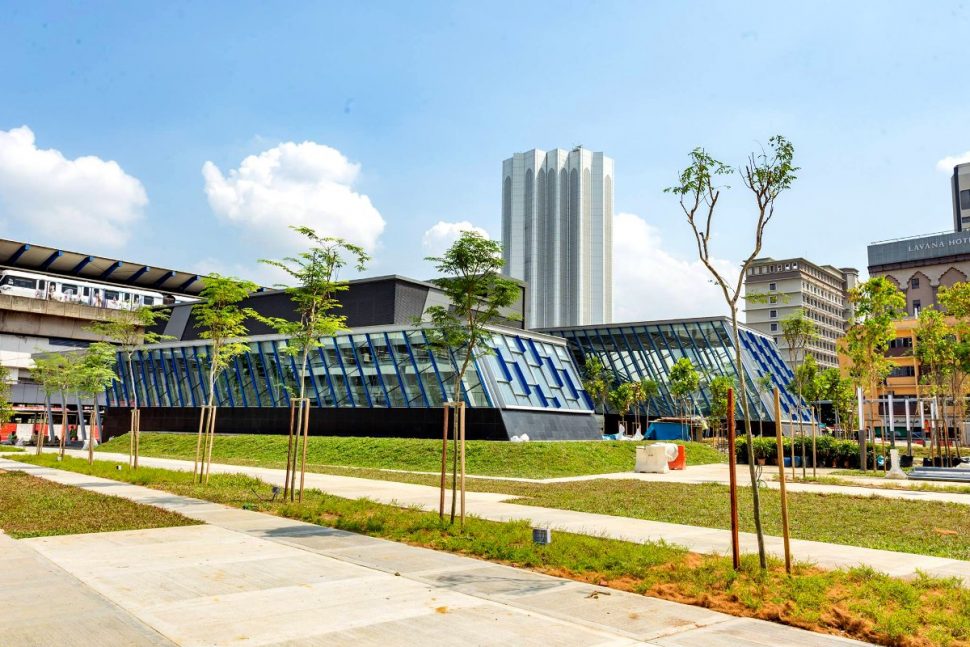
x,y
965,199
774,313
914,283
916,307
772,286
772,299
774,327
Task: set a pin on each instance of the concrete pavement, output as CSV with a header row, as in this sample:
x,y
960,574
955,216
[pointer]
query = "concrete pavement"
x,y
45,605
248,578
495,507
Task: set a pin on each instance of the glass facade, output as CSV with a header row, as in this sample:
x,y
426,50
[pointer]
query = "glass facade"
x,y
376,368
648,350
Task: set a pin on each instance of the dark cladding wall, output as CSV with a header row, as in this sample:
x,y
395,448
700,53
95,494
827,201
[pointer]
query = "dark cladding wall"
x,y
367,303
481,423
381,301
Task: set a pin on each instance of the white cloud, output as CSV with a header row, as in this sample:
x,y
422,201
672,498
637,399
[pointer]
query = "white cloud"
x,y
441,236
79,202
306,184
651,283
947,163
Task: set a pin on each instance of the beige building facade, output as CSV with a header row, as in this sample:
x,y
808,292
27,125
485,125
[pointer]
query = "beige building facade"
x,y
776,289
921,265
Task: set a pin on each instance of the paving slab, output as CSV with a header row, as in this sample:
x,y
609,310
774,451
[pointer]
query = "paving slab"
x,y
44,605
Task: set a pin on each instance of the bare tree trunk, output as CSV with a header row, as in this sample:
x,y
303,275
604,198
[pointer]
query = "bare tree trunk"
x,y
755,495
63,423
133,433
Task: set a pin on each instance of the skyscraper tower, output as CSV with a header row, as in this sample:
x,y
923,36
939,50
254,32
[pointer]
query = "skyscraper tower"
x,y
557,234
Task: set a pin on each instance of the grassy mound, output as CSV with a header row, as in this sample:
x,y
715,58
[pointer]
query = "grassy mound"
x,y
484,458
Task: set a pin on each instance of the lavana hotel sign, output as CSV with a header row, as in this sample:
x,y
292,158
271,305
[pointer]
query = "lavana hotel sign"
x,y
936,245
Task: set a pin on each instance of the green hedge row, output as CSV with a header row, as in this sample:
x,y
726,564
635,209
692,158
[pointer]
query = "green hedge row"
x,y
831,452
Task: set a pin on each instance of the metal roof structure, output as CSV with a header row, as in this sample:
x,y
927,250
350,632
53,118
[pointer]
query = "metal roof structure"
x,y
29,257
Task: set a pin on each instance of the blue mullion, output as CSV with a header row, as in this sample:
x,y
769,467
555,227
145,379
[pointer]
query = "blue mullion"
x,y
434,363
239,379
188,377
417,371
728,341
343,369
397,371
481,381
627,358
225,376
377,369
326,371
203,383
297,378
655,359
595,340
125,377
157,392
252,376
313,378
176,378
638,360
727,368
266,375
461,385
700,358
144,399
165,377
360,371
683,351
663,384
279,370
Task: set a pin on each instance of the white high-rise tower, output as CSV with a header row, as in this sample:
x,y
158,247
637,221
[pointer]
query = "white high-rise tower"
x,y
557,234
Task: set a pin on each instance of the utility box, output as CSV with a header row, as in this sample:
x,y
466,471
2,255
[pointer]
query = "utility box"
x,y
541,536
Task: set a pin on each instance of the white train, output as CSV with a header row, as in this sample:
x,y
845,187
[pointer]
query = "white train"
x,y
57,288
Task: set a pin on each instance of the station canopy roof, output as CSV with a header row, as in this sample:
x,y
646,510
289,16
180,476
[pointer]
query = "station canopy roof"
x,y
28,257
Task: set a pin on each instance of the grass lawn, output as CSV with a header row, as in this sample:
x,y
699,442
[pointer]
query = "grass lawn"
x,y
888,484
485,458
859,602
10,448
920,527
33,507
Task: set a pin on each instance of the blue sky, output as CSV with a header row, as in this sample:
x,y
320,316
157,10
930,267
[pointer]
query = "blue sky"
x,y
428,98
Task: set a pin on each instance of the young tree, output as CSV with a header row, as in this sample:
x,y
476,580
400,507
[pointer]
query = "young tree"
x,y
809,388
798,331
596,382
764,385
223,323
935,345
315,272
684,382
55,373
6,407
766,175
649,389
878,303
479,294
95,372
719,387
838,390
622,398
129,329
955,301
